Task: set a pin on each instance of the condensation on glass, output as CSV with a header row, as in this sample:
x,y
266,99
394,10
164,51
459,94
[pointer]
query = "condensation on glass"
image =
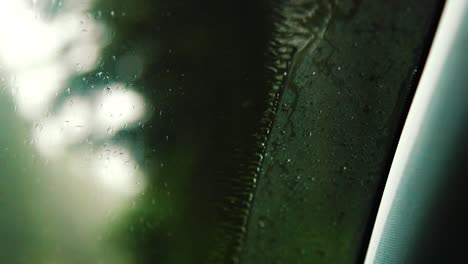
x,y
68,168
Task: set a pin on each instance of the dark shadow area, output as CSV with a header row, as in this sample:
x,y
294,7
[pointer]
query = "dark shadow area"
x,y
205,78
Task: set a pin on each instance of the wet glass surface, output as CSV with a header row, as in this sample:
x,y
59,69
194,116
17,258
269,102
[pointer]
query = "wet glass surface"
x,y
333,140
136,131
121,121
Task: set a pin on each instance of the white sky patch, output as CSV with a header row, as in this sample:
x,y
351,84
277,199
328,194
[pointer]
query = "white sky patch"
x,y
49,139
35,89
70,126
117,171
44,55
25,40
117,108
75,118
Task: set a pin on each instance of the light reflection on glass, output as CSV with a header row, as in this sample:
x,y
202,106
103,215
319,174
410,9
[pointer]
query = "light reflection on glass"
x,y
89,173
